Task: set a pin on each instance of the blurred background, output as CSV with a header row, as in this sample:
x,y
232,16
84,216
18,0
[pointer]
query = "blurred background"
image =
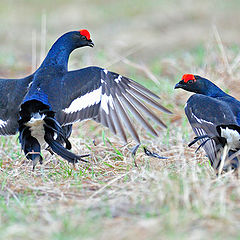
x,y
149,32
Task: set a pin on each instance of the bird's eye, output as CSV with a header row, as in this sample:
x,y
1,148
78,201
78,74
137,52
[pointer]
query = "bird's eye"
x,y
190,81
84,38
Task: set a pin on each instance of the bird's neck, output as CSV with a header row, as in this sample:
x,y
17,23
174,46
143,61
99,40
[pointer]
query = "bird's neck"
x,y
58,55
213,91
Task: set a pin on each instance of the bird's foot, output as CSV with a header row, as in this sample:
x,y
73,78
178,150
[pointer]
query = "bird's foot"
x,y
35,160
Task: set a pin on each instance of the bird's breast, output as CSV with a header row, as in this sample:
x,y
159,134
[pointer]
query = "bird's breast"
x,y
36,127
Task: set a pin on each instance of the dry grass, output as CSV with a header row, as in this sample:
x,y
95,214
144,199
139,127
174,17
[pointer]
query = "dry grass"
x,y
176,198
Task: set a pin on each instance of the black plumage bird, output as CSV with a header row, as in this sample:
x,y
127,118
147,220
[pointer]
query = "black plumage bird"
x,y
43,106
215,118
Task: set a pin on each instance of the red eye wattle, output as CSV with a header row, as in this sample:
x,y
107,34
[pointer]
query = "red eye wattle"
x,y
188,77
85,33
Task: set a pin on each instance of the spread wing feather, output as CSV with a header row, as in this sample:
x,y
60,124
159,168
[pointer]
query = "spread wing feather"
x,y
107,98
12,92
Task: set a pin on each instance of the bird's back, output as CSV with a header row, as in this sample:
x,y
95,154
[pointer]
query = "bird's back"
x,y
215,111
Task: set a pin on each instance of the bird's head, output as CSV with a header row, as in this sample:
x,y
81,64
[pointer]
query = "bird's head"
x,y
62,48
197,84
81,38
193,83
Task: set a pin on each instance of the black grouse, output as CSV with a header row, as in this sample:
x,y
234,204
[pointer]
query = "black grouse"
x,y
215,118
43,106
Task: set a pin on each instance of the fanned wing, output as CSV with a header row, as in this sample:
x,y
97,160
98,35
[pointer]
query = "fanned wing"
x,y
12,92
108,98
205,114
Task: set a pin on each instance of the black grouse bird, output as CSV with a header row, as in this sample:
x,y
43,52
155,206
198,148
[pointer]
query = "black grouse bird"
x,y
215,118
43,106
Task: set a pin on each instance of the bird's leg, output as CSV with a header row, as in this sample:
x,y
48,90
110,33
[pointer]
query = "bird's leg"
x,y
41,160
35,157
224,155
36,160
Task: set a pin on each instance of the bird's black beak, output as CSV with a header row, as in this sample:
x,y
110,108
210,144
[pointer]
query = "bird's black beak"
x,y
90,43
179,85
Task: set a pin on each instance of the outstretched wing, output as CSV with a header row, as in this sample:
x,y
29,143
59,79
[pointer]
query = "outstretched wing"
x,y
108,98
205,114
12,92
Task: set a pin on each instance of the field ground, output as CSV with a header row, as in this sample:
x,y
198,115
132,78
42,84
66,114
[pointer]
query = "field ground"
x,y
154,42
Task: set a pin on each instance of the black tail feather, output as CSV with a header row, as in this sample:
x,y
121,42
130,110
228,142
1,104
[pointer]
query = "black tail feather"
x,y
153,154
67,130
63,152
30,146
202,144
60,134
196,139
53,133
